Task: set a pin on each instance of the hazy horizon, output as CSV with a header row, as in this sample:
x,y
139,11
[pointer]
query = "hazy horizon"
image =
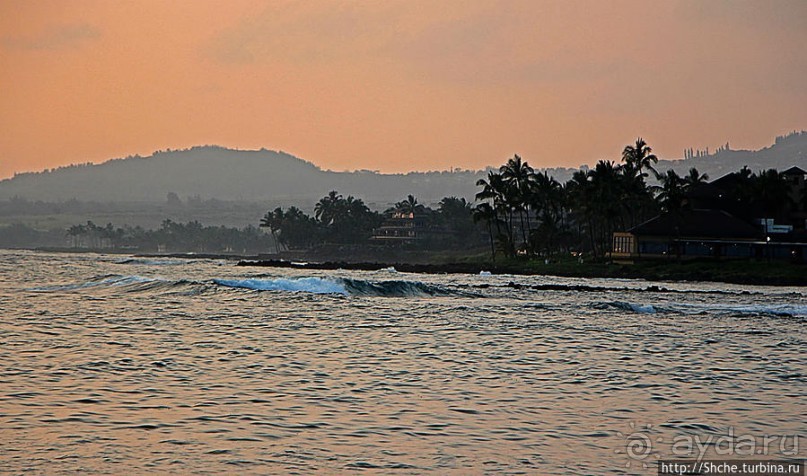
x,y
397,86
613,156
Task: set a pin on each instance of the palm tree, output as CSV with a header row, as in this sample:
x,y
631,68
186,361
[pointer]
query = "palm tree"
x,y
485,212
607,194
695,178
671,191
108,236
274,221
326,209
454,207
546,200
771,190
355,221
298,229
639,157
410,206
518,176
637,201
580,194
492,188
455,214
76,232
496,191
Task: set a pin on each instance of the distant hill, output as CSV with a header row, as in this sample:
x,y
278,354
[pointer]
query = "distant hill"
x,y
225,174
787,151
277,177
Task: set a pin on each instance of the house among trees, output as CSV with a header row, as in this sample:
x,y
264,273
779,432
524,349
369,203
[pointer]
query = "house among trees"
x,y
740,215
400,227
409,222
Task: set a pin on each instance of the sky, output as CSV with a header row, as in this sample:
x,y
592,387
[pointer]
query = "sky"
x,y
397,85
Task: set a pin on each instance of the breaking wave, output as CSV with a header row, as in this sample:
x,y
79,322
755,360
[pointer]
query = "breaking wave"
x,y
780,310
312,285
343,286
627,306
309,285
398,288
358,287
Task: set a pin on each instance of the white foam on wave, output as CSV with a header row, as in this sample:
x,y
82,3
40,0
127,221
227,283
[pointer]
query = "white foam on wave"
x,y
628,306
309,285
643,309
485,273
794,310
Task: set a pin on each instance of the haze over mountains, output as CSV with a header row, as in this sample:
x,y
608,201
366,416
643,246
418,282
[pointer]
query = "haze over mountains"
x,y
277,177
225,174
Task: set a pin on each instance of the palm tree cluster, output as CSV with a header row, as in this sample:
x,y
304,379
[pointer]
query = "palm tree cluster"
x,y
531,213
90,235
450,225
348,221
673,189
344,220
409,207
763,194
336,220
518,211
171,236
291,228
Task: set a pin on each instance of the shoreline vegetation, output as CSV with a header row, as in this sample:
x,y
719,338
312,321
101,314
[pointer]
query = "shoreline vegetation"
x,y
521,221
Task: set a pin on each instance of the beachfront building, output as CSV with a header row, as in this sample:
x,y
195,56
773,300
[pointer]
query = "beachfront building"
x,y
408,228
713,223
400,227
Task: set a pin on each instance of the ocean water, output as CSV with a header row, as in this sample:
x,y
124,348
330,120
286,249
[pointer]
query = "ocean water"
x,y
115,364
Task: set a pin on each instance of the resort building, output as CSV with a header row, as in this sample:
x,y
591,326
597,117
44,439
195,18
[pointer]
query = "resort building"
x,y
408,228
712,223
400,227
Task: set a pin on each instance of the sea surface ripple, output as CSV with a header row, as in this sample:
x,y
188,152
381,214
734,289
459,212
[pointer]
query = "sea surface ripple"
x,y
115,364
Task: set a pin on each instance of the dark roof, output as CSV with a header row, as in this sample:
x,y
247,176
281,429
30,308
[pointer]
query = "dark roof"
x,y
794,171
727,182
705,191
715,224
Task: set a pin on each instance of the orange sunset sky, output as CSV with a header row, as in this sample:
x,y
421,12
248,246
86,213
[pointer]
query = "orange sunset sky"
x,y
396,85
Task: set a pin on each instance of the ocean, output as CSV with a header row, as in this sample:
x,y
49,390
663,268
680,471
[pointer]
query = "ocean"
x,y
114,364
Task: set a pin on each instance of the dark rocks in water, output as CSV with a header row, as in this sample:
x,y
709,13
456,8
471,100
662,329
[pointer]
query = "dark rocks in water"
x,y
402,267
471,268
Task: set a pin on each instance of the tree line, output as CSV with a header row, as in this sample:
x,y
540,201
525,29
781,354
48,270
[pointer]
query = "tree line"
x,y
530,213
348,220
171,236
517,211
521,211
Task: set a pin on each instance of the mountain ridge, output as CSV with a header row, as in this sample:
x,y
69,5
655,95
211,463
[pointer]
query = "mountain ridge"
x,y
268,175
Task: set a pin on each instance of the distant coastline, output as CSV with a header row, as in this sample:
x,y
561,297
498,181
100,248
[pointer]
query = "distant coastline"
x,y
612,221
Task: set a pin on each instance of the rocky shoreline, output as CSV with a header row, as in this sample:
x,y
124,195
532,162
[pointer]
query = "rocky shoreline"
x,y
449,268
745,272
736,271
